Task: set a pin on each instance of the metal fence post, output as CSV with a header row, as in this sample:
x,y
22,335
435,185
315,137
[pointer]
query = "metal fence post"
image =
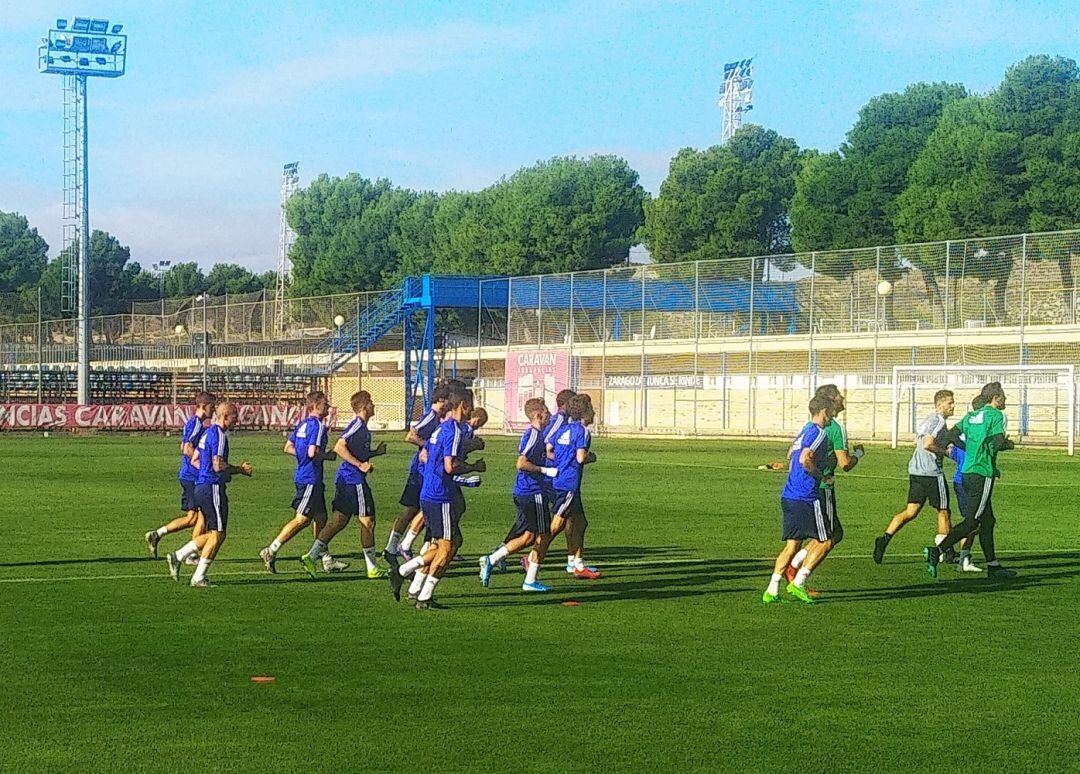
x,y
39,353
697,337
1023,294
947,300
878,300
603,349
811,380
751,379
643,399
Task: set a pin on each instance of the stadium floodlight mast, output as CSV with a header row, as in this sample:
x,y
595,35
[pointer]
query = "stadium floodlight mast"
x,y
85,48
737,95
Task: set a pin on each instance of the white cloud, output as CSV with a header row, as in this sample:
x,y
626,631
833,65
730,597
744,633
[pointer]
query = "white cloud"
x,y
362,57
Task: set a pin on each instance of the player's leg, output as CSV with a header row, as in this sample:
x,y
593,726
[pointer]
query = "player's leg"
x,y
366,517
186,521
412,531
977,491
540,526
410,508
820,526
783,559
216,512
881,542
986,542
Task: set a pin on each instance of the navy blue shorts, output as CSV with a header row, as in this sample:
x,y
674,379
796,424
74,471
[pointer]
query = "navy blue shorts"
x,y
827,497
803,520
566,504
533,514
212,500
187,496
354,500
441,520
410,496
310,500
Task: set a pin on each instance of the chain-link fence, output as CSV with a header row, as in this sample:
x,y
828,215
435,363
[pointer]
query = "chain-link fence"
x,y
736,347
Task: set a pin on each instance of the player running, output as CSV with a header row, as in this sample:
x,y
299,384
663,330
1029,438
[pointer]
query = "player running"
x,y
352,495
211,498
443,462
418,435
984,433
193,431
533,525
926,479
841,459
570,454
957,455
308,444
804,516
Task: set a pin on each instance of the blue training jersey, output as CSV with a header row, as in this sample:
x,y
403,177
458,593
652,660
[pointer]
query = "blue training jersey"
x,y
555,424
357,437
439,486
957,455
193,431
310,432
424,427
213,443
533,449
572,437
800,484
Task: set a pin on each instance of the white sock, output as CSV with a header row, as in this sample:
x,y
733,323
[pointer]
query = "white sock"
x,y
802,576
499,554
393,543
369,558
424,548
965,555
327,560
570,560
530,574
797,560
578,564
275,546
938,539
200,571
417,583
318,548
411,566
407,541
429,588
162,532
187,550
774,583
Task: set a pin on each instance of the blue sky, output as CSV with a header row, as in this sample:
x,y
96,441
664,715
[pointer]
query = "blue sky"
x,y
187,148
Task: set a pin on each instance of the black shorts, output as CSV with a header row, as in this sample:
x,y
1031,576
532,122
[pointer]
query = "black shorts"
x,y
354,500
310,500
803,520
928,489
566,505
187,496
979,491
212,500
410,496
441,520
533,514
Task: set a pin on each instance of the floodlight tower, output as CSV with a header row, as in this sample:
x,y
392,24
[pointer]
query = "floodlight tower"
x,y
87,48
737,95
290,181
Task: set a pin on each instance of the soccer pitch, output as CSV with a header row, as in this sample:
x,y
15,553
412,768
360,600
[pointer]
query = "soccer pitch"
x,y
669,663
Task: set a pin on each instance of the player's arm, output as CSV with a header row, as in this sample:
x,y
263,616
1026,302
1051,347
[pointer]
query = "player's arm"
x,y
806,459
195,458
952,438
289,448
222,466
378,451
455,466
1001,442
525,466
846,461
414,438
585,457
359,461
473,444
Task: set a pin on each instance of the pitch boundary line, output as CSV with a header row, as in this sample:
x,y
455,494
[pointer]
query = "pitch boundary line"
x,y
613,563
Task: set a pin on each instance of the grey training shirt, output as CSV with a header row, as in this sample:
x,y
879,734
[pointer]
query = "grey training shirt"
x,y
923,462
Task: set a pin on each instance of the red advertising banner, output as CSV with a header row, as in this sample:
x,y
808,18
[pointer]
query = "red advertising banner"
x,y
140,416
534,374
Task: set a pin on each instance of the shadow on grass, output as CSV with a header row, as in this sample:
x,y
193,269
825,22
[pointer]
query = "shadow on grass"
x,y
945,586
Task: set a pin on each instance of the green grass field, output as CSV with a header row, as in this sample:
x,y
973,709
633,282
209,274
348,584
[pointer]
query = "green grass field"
x,y
669,663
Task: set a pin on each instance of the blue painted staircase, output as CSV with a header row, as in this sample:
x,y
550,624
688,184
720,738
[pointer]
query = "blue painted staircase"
x,y
357,335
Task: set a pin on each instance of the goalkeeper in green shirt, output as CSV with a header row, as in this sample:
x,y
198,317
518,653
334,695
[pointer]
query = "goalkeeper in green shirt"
x,y
983,430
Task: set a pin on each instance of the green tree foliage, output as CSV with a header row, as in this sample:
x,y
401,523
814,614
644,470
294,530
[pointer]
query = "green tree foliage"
x,y
184,279
23,253
233,279
727,201
344,232
848,198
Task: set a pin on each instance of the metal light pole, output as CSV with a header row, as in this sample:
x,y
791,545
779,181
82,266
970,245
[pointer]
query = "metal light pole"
x,y
205,343
88,49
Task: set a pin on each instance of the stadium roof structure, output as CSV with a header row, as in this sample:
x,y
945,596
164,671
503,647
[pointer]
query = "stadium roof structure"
x,y
617,293
418,299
